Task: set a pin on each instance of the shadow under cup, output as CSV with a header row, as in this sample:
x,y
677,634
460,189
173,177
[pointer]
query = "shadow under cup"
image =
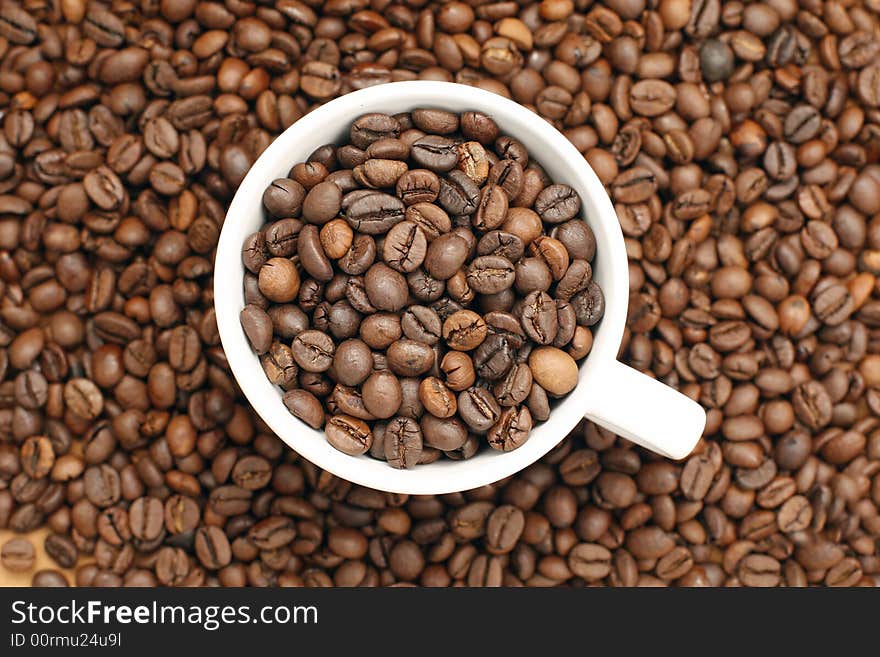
x,y
330,124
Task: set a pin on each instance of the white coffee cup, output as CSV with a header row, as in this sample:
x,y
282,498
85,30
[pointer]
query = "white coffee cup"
x,y
613,395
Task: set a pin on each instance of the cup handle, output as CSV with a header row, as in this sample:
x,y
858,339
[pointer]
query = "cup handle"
x,y
645,411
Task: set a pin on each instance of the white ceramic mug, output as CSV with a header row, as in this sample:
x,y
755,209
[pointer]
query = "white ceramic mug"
x,y
608,392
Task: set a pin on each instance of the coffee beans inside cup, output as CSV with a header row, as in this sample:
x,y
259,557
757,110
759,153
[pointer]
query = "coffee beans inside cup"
x,y
422,290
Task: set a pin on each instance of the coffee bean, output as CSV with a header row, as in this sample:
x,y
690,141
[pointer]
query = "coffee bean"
x,y
382,394
403,442
492,208
322,203
511,430
458,369
716,60
284,198
436,398
444,434
590,561
375,213
312,256
589,304
313,351
507,174
405,247
48,578
212,547
553,369
459,195
464,330
557,204
31,390
490,274
349,435
478,408
759,570
651,97
410,357
812,404
37,456
17,555
279,280
435,153
445,256
372,127
61,550
386,288
181,514
422,324
83,398
336,238
504,529
539,317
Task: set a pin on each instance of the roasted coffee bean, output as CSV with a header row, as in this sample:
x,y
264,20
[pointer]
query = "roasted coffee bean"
x,y
435,153
436,398
313,351
311,254
17,555
556,204
492,209
37,456
539,317
257,326
490,274
589,304
444,434
459,195
464,330
511,430
591,561
382,394
279,280
50,578
478,408
410,357
284,198
375,213
422,324
417,186
553,369
578,239
507,174
349,435
405,247
494,357
373,127
352,362
281,237
432,220
445,256
212,548
402,442
385,288
379,173
61,550
500,243
361,254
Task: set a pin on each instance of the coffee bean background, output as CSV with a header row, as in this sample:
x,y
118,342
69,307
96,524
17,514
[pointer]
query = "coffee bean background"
x,y
739,143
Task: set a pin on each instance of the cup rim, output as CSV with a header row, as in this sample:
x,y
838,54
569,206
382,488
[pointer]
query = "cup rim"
x,y
294,145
